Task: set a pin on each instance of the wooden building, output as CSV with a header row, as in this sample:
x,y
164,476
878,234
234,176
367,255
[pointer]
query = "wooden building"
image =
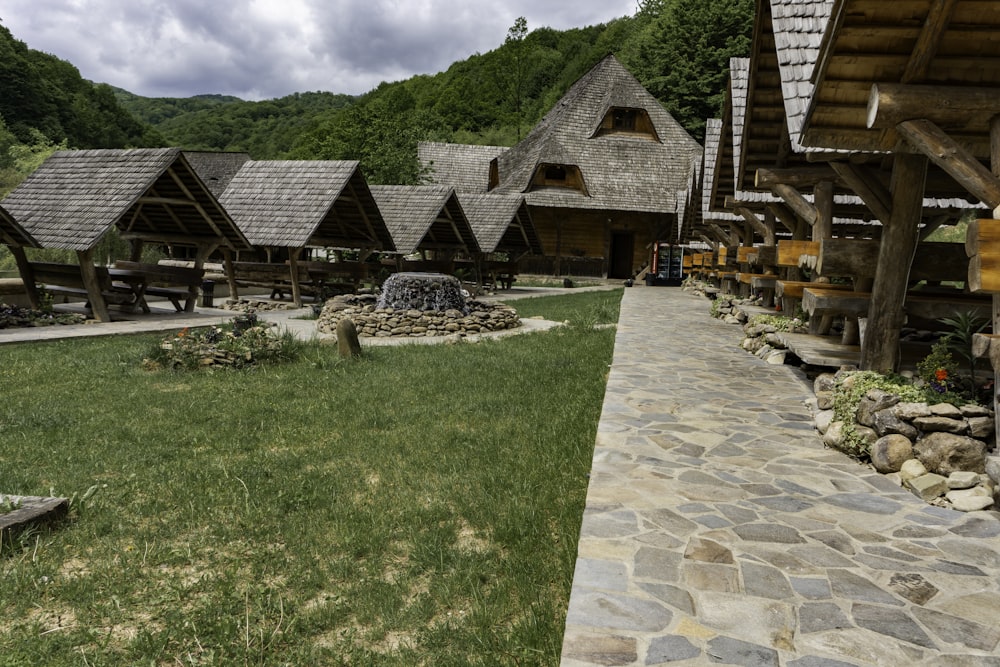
x,y
149,195
216,168
600,173
464,167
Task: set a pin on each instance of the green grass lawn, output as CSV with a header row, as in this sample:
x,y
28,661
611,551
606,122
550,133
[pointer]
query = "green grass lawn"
x,y
417,506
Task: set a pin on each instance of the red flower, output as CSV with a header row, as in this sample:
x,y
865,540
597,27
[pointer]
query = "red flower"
x,y
941,375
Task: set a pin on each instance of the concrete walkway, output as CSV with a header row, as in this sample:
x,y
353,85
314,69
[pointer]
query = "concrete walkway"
x,y
718,530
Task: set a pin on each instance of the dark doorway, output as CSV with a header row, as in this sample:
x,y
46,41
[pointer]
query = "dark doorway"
x,y
622,252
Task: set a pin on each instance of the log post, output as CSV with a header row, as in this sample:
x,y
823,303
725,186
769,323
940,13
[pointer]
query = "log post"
x,y
98,305
995,168
27,276
227,263
201,256
900,234
293,269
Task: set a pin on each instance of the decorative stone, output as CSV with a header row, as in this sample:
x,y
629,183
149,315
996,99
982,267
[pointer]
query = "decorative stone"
x,y
942,424
970,500
981,427
777,357
822,420
824,382
975,410
888,421
946,410
928,487
963,479
824,400
834,436
944,453
992,468
910,411
347,339
890,452
874,401
910,469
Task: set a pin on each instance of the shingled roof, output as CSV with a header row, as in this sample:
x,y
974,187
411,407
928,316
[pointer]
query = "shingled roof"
x,y
216,169
464,167
501,223
710,212
12,234
75,197
293,204
624,172
424,217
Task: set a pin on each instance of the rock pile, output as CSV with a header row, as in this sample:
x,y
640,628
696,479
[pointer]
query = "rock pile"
x,y
762,340
422,291
372,321
937,451
256,305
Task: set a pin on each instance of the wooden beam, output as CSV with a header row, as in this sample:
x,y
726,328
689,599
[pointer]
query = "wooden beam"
x,y
784,216
930,140
756,223
823,196
798,203
889,104
880,345
929,40
804,177
875,196
167,201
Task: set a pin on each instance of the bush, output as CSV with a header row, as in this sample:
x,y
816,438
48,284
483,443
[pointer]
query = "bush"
x,y
244,342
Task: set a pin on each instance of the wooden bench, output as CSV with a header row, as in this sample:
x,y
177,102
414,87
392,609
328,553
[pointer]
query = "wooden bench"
x,y
66,280
792,289
858,259
500,275
173,283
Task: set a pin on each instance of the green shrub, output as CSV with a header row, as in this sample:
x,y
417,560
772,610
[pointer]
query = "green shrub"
x,y
244,342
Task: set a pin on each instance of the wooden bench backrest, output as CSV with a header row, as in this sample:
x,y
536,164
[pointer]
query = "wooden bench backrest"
x,y
858,258
342,269
790,251
67,275
167,275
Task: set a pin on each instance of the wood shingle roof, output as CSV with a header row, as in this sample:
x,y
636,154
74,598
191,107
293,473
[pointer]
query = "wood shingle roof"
x,y
464,167
75,197
13,234
424,217
501,223
287,203
621,171
216,169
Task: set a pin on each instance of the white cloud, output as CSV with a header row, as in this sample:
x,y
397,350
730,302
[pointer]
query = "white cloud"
x,y
270,48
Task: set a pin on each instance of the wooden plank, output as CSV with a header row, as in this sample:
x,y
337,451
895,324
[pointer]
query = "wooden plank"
x,y
982,236
858,258
789,251
984,273
742,254
801,177
793,289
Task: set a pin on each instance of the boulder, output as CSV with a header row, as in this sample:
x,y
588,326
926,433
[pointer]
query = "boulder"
x,y
890,452
975,410
946,410
824,382
944,453
347,339
993,468
981,427
823,419
910,411
874,401
834,436
963,479
824,400
970,500
887,422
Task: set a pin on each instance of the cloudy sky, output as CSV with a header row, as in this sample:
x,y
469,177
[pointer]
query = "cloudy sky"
x,y
260,49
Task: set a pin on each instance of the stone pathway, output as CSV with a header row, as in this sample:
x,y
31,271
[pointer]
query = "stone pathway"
x,y
718,530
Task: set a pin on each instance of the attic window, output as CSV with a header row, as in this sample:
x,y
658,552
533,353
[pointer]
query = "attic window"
x,y
628,121
558,176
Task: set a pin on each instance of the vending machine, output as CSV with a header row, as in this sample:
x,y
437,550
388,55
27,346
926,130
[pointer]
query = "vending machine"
x,y
667,266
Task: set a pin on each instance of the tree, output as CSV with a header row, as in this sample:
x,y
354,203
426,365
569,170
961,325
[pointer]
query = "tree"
x,y
512,68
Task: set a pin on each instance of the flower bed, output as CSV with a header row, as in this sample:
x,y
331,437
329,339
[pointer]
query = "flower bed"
x,y
245,342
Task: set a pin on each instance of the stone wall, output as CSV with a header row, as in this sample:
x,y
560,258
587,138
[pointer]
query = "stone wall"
x,y
940,452
372,321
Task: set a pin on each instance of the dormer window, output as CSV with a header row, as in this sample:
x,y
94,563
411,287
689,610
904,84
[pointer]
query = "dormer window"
x,y
558,176
628,121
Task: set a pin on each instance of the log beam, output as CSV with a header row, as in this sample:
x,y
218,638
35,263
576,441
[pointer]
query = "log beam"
x,y
938,17
889,104
823,196
875,196
930,140
806,177
797,202
880,347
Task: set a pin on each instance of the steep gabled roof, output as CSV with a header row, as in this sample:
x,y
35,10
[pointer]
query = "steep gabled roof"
x,y
13,234
216,169
625,172
75,197
710,212
464,167
286,203
501,223
424,217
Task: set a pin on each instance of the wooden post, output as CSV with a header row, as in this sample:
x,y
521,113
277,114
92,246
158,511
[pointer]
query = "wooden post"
x,y
900,234
227,263
293,269
201,256
823,227
27,276
98,305
995,168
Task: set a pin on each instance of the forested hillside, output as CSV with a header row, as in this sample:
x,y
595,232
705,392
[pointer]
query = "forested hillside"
x,y
678,49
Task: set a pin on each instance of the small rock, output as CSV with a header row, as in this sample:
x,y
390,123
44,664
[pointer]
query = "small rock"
x,y
974,410
834,436
824,382
970,500
946,410
981,427
888,421
910,411
890,452
777,357
943,424
993,468
928,487
824,400
910,469
963,479
823,419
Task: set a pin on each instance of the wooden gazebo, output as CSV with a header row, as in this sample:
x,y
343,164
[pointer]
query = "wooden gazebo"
x,y
150,195
292,205
502,224
426,219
